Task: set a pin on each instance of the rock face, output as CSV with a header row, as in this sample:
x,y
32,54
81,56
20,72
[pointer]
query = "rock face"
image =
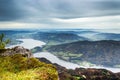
x,y
94,74
16,50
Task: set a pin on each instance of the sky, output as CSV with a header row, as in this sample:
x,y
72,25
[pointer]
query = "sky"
x,y
49,14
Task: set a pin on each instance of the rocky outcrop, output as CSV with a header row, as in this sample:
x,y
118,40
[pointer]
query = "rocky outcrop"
x,y
16,50
94,74
83,73
86,74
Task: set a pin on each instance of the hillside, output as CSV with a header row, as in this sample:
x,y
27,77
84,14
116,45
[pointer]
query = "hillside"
x,y
22,66
97,52
50,37
108,36
53,37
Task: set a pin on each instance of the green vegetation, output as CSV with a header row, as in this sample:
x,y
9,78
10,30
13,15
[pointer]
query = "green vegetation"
x,y
3,42
80,77
17,67
67,56
106,73
52,42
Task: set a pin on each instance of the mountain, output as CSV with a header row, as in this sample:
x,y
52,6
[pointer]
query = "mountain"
x,y
109,36
97,36
57,37
104,52
48,36
53,37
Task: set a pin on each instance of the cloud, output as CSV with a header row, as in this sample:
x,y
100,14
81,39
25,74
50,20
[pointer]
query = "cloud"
x,y
104,22
17,25
60,13
9,10
66,9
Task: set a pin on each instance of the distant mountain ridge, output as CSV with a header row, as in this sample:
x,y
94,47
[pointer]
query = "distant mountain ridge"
x,y
58,37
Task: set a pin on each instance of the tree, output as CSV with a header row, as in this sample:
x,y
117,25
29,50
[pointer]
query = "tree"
x,y
3,42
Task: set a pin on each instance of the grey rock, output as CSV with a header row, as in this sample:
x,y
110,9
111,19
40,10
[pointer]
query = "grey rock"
x,y
16,50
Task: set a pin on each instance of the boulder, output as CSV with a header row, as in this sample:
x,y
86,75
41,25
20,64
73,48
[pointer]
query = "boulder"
x,y
16,50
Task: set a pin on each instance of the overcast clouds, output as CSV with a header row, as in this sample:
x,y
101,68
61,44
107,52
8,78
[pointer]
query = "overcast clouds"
x,y
60,13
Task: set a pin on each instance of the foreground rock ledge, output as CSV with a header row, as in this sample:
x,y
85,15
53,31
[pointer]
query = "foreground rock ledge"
x,y
83,74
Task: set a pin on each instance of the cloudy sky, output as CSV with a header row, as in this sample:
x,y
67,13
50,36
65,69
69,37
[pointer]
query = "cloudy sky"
x,y
88,14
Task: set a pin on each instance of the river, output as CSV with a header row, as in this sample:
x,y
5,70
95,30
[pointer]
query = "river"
x,y
31,43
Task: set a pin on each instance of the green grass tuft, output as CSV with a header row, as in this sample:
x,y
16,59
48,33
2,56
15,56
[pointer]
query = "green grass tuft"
x,y
17,67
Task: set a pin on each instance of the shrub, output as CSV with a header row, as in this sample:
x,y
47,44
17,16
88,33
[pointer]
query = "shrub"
x,y
3,42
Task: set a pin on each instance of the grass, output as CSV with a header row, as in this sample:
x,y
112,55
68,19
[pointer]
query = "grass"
x,y
17,67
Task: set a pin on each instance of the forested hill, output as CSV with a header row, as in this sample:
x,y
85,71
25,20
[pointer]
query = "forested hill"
x,y
106,52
